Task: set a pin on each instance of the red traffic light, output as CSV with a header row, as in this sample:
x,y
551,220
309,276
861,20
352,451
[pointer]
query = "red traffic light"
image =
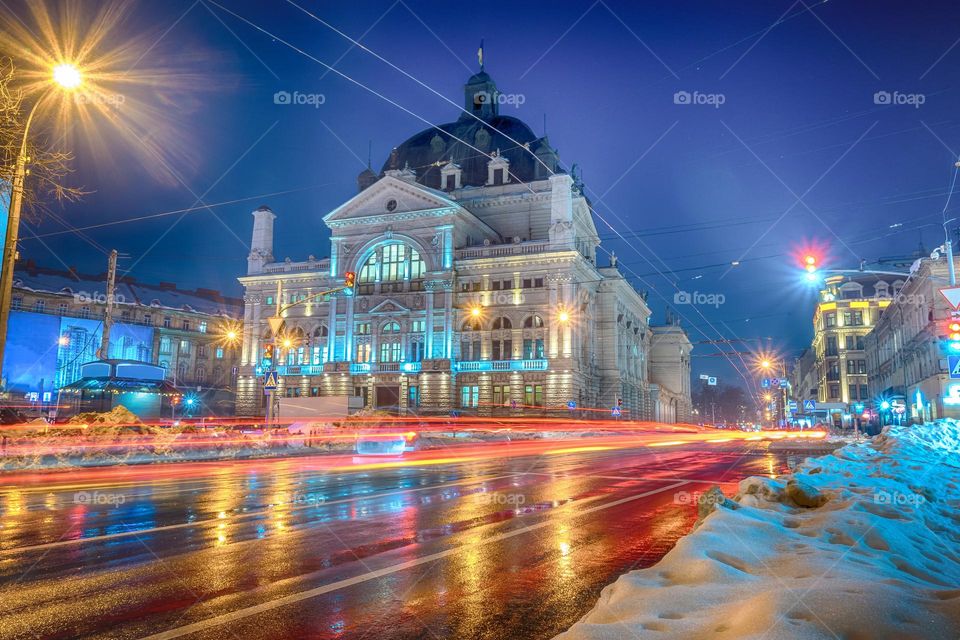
x,y
953,330
349,278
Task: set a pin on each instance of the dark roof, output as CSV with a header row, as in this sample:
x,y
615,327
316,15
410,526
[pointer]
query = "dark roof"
x,y
427,151
30,276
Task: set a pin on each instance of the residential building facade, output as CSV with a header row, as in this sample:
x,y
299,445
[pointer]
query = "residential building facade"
x,y
57,323
848,309
907,353
478,288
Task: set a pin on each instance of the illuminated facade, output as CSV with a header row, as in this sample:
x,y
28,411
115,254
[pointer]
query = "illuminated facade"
x,y
477,288
848,310
908,352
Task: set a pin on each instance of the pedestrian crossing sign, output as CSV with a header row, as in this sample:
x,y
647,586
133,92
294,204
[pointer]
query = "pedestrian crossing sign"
x,y
954,363
270,381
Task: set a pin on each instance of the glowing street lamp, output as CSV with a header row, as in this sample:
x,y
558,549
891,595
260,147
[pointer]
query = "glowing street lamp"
x,y
563,316
67,77
475,312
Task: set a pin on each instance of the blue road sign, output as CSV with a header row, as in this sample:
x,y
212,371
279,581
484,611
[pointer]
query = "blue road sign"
x,y
615,412
953,362
765,383
571,405
784,383
270,381
809,405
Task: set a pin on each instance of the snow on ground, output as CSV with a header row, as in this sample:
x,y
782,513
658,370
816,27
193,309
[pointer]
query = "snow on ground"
x,y
879,558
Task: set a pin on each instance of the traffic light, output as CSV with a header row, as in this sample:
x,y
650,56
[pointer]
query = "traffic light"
x,y
268,352
953,335
619,402
810,265
348,279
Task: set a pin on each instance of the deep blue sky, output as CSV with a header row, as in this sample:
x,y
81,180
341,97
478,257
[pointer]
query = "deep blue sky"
x,y
798,97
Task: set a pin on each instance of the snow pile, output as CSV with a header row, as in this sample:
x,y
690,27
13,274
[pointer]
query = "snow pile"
x,y
862,543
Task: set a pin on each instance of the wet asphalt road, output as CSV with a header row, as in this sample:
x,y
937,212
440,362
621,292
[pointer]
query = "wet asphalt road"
x,y
499,547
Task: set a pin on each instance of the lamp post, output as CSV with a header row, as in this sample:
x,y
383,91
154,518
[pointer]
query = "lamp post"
x,y
67,77
767,365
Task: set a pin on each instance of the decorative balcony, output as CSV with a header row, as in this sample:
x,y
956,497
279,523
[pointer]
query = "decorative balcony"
x,y
468,366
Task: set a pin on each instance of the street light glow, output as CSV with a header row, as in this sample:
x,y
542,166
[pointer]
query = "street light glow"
x,y
67,76
564,316
475,312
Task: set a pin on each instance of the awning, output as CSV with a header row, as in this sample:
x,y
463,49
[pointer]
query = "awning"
x,y
122,385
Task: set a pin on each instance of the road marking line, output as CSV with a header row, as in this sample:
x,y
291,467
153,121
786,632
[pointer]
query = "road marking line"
x,y
556,476
246,612
241,516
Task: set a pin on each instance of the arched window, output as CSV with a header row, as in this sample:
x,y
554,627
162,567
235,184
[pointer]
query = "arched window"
x,y
472,324
391,327
533,322
391,263
318,351
502,323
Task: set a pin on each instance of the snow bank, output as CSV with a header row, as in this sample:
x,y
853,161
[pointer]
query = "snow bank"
x,y
860,544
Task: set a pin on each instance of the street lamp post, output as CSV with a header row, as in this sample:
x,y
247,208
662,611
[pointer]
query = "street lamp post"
x,y
67,77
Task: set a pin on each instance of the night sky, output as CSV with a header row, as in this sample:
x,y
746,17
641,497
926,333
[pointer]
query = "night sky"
x,y
798,154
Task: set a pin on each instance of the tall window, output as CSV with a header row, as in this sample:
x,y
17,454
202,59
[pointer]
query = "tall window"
x,y
501,394
363,352
469,396
533,395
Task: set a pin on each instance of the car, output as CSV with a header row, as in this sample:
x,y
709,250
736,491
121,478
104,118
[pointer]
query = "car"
x,y
388,443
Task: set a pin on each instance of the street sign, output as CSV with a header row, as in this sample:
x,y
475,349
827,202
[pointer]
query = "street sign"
x,y
271,381
765,383
615,412
792,406
774,383
276,322
704,376
571,405
712,381
953,363
784,383
952,294
809,405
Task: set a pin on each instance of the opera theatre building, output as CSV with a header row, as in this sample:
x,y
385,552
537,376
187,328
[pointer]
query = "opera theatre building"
x,y
478,289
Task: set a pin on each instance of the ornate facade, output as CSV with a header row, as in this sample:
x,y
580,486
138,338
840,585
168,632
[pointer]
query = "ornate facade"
x,y
477,288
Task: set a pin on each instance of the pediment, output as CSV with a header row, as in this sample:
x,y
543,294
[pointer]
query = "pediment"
x,y
390,197
389,306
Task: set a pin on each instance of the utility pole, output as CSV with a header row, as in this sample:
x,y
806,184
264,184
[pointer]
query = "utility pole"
x,y
104,352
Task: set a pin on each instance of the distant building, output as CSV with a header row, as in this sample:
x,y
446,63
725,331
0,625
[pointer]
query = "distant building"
x,y
478,289
848,309
907,360
56,324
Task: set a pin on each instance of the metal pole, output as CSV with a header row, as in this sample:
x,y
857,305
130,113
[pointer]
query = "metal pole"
x,y
104,351
12,235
